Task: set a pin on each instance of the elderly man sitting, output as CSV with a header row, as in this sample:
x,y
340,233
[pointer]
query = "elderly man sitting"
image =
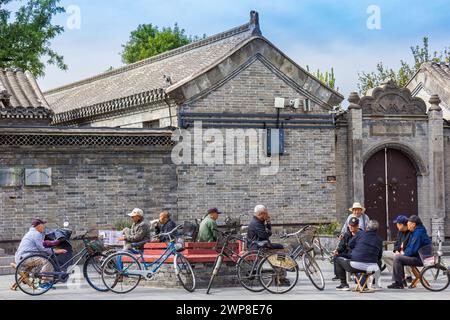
x,y
410,257
164,225
367,250
138,233
260,229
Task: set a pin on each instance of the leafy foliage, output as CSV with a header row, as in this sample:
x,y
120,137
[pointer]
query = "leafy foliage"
x,y
328,78
421,54
122,224
147,41
329,229
25,39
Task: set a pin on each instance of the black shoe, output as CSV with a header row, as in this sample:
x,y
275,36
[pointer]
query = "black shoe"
x,y
409,279
383,267
404,283
343,287
284,282
396,285
335,279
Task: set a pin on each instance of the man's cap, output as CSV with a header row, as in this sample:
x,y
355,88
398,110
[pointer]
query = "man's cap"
x,y
415,219
401,219
354,222
136,212
214,210
35,222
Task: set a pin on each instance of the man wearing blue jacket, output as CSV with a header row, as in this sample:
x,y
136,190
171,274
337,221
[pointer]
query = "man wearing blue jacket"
x,y
410,257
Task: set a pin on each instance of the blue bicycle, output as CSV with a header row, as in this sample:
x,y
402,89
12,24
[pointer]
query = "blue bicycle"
x,y
123,270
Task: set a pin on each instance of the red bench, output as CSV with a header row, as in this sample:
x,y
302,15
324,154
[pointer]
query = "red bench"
x,y
195,252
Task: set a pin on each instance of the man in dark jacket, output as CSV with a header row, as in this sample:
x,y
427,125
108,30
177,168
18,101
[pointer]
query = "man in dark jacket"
x,y
400,245
165,225
419,239
260,229
367,249
343,250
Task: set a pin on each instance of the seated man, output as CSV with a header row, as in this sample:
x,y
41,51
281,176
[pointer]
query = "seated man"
x,y
139,232
367,249
343,249
165,225
410,257
208,227
400,245
260,229
33,242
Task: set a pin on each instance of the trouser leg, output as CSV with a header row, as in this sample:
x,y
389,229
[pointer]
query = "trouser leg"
x,y
400,262
388,259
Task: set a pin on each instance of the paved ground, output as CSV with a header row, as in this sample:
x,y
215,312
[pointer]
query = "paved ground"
x,y
304,291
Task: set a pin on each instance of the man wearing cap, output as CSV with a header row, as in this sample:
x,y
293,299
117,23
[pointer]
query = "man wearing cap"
x,y
208,226
139,231
33,242
400,244
357,211
410,257
343,249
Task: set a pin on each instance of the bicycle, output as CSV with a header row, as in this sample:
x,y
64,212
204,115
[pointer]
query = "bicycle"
x,y
246,265
39,272
122,271
278,272
436,277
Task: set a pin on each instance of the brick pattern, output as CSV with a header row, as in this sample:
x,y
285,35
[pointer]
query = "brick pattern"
x,y
93,188
298,193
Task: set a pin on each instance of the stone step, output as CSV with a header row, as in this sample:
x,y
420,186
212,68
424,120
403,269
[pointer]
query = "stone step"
x,y
2,252
6,260
6,270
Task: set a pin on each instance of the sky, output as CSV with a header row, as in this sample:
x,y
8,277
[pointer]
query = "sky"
x,y
322,34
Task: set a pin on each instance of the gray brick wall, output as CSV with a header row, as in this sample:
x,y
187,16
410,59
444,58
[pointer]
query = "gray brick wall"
x,y
299,193
93,187
447,178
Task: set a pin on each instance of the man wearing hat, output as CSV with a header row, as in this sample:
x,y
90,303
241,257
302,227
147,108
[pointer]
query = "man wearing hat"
x,y
410,257
343,249
139,231
357,211
208,226
33,242
400,245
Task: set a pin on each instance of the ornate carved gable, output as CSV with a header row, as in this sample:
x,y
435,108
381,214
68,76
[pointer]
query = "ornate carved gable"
x,y
390,99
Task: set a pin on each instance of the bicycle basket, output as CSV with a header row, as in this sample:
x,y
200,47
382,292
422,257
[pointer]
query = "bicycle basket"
x,y
282,261
427,256
95,246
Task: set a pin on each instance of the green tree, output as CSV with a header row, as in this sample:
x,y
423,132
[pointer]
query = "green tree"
x,y
421,54
25,38
328,78
148,41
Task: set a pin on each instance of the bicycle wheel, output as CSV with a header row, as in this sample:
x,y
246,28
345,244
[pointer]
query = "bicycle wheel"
x,y
35,275
217,265
435,278
313,271
120,272
278,273
247,268
184,272
92,271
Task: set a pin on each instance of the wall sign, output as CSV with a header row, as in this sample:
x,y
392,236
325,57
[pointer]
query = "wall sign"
x,y
38,177
11,177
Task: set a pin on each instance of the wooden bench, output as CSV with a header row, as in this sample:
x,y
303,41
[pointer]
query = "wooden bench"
x,y
195,252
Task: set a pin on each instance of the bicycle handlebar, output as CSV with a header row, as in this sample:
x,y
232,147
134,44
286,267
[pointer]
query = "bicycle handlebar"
x,y
289,235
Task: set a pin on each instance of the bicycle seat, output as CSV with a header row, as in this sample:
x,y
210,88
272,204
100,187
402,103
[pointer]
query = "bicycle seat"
x,y
261,244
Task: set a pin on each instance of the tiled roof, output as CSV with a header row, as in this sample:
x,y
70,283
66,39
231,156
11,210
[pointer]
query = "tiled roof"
x,y
148,75
442,69
20,96
20,88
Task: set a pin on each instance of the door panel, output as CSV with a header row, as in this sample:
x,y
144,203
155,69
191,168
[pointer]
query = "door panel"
x,y
401,189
